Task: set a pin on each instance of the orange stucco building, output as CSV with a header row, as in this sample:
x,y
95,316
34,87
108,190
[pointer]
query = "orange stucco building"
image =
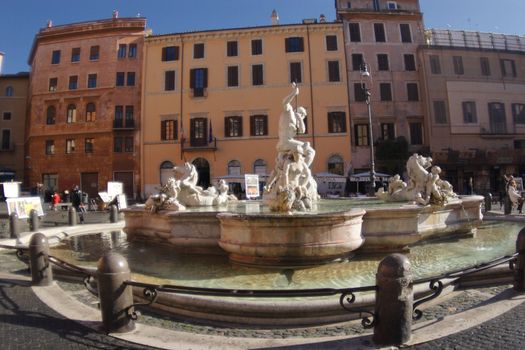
x,y
213,98
85,104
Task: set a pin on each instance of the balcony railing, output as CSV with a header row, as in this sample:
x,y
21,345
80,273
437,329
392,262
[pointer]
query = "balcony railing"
x,y
124,124
198,145
10,147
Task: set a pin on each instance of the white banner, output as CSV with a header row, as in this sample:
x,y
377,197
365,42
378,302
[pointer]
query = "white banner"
x,y
11,189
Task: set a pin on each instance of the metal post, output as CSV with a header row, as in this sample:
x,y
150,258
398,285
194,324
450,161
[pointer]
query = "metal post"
x,y
519,268
13,226
488,202
72,216
394,301
116,298
41,271
33,220
113,213
372,189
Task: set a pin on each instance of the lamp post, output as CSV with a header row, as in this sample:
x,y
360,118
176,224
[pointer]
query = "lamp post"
x,y
365,74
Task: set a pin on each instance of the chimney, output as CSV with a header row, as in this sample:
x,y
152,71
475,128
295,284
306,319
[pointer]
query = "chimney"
x,y
115,14
275,18
1,59
322,19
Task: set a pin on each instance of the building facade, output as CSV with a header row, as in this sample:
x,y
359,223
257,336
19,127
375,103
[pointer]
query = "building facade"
x,y
214,98
85,104
384,36
13,108
475,90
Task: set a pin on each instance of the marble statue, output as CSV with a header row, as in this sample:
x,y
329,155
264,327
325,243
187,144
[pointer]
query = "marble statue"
x,y
291,186
166,199
424,187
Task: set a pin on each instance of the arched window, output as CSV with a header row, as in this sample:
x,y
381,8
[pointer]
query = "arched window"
x,y
91,112
51,115
234,167
71,113
259,167
166,171
336,165
9,91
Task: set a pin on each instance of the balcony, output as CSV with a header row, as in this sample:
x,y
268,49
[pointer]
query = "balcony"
x,y
124,124
198,145
487,132
7,147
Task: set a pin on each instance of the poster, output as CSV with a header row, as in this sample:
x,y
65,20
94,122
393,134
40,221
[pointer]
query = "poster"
x,y
22,206
11,189
115,188
252,185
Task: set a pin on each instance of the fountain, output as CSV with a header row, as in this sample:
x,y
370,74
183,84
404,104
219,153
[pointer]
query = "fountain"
x,y
292,226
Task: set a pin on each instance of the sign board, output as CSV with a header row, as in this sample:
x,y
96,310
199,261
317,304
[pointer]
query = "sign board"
x,y
519,183
115,188
122,202
11,189
22,206
252,185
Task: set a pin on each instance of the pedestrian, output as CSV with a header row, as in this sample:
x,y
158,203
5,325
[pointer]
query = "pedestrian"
x,y
55,199
76,201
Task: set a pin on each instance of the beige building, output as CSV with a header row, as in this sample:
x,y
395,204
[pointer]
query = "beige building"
x,y
475,88
213,98
13,107
385,35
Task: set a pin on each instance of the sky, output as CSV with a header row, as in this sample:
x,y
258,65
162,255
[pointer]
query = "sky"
x,y
20,20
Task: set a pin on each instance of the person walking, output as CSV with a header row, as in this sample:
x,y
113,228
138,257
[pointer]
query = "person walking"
x,y
76,201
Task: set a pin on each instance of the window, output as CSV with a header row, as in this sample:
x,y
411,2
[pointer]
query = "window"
x,y
75,54
294,44
169,80
295,72
92,81
412,92
331,43
388,131
508,68
485,66
257,74
130,81
51,114
355,32
257,48
359,92
91,112
336,165
73,82
120,79
469,112
122,48
233,126
166,171
233,76
170,53
198,132
132,52
382,62
361,135
55,57
410,62
53,83
498,124
259,167
169,130
198,50
7,116
119,117
6,139
435,66
416,133
391,5
406,37
458,65
128,144
232,48
118,144
71,114
234,167
9,91
336,122
518,113
94,53
70,146
259,125
198,81
123,144
385,91
379,31
89,145
357,61
333,71
440,112
50,147
519,144
130,121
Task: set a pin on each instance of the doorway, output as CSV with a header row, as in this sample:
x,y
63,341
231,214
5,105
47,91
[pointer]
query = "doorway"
x,y
89,184
126,177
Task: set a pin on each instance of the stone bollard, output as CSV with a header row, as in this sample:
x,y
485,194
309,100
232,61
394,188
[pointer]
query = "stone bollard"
x,y
41,270
519,268
507,205
72,216
394,301
488,202
34,221
113,213
13,226
115,297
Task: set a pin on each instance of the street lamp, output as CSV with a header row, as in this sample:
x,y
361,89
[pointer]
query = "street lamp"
x,y
365,75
